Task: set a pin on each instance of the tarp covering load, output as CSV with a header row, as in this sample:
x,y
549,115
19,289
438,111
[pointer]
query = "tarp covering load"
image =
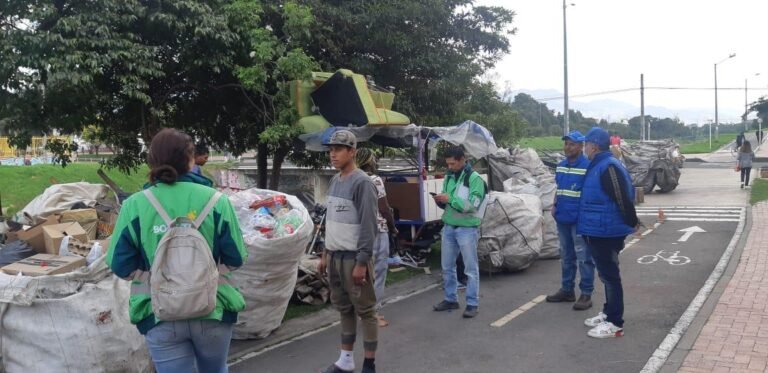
x,y
520,170
72,322
268,279
61,197
511,232
650,164
476,140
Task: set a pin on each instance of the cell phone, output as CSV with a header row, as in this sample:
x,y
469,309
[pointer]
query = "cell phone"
x,y
432,194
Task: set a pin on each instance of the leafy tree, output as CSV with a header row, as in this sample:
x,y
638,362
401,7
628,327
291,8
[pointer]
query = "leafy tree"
x,y
93,135
539,117
484,106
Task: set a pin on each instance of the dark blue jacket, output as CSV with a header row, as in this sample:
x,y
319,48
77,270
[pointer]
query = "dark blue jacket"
x,y
599,215
569,178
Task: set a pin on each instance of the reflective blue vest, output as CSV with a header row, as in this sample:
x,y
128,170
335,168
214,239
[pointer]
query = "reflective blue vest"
x,y
569,178
599,216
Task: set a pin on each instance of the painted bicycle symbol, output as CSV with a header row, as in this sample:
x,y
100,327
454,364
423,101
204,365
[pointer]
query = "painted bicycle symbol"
x,y
674,259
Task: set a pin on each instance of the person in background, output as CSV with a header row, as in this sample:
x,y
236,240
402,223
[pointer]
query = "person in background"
x,y
569,176
201,158
366,161
463,196
739,140
744,162
178,346
350,234
606,217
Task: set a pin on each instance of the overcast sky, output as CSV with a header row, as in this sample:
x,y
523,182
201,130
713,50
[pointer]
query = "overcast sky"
x,y
675,43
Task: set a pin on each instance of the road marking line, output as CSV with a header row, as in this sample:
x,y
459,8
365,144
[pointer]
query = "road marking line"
x,y
660,356
637,239
685,210
684,214
264,350
703,219
519,311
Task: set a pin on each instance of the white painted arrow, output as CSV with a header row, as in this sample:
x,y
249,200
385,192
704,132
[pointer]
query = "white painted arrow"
x,y
689,232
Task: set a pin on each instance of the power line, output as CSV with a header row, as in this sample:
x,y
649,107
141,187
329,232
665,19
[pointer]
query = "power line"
x,y
601,93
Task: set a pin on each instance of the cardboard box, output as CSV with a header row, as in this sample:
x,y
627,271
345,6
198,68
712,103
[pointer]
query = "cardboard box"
x,y
404,198
87,218
34,235
55,233
44,265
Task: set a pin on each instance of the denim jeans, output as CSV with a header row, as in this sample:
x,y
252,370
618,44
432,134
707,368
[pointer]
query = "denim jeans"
x,y
605,252
745,175
573,251
179,346
462,240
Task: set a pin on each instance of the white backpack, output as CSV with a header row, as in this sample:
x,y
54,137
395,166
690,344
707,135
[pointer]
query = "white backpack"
x,y
184,277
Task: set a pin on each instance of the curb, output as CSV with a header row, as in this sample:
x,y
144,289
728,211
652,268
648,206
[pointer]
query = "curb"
x,y
299,328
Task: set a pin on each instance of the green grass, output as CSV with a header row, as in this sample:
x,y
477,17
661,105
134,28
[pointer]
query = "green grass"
x,y
702,146
20,184
542,143
759,191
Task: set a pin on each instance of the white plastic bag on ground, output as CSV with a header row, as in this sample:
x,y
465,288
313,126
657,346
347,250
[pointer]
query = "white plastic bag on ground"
x,y
511,232
73,322
268,279
551,246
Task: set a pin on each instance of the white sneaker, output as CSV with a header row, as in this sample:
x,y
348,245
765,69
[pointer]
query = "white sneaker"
x,y
606,330
595,321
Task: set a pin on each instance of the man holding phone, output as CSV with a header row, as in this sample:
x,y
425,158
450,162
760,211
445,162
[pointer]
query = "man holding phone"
x,y
463,199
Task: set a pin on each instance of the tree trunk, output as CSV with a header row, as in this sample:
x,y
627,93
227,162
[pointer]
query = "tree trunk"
x,y
277,164
261,165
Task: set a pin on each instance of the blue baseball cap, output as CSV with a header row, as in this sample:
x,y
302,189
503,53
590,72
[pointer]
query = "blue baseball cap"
x,y
574,136
599,137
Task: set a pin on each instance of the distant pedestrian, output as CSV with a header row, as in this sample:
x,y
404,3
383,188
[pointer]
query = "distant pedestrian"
x,y
569,176
175,200
350,234
201,158
739,140
463,198
366,161
744,163
606,216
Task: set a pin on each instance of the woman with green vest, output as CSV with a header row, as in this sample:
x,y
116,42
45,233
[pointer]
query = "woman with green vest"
x,y
201,342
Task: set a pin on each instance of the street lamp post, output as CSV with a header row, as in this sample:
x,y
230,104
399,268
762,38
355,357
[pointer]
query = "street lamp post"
x,y
566,124
717,118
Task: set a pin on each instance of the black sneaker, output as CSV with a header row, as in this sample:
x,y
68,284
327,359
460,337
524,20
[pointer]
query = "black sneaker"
x,y
445,306
367,369
561,296
334,369
470,312
584,303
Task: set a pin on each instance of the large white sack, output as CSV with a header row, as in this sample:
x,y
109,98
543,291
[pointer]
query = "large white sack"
x,y
551,246
61,197
511,232
73,322
268,279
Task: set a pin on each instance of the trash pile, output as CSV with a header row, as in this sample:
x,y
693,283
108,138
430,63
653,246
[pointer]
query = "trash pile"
x,y
511,235
520,171
651,164
276,229
57,293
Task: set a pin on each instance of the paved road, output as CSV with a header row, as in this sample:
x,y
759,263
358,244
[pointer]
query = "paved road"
x,y
546,337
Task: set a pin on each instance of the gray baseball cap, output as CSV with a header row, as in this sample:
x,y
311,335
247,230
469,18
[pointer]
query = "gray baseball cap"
x,y
342,137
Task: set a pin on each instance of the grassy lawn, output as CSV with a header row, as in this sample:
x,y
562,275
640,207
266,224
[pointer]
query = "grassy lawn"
x,y
702,146
542,143
20,184
759,191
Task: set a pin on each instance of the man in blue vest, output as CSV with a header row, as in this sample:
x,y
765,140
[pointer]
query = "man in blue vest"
x,y
606,217
570,177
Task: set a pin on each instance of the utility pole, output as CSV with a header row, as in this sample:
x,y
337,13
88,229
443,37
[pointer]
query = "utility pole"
x,y
642,108
717,119
566,124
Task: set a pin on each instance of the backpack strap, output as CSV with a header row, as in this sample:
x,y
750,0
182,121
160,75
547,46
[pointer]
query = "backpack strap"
x,y
158,207
207,209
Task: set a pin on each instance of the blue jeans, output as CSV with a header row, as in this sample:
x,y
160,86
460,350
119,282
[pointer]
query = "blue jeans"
x,y
177,346
573,251
460,240
605,252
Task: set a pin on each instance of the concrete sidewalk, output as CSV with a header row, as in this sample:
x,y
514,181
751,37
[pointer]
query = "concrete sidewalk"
x,y
735,337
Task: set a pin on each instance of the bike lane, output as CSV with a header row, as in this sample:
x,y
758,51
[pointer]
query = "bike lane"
x,y
544,337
